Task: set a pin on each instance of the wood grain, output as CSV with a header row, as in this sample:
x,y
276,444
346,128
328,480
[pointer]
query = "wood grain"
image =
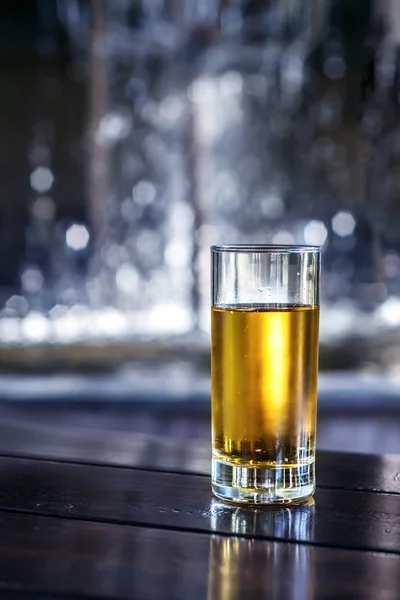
x,y
50,557
341,518
341,470
368,472
35,433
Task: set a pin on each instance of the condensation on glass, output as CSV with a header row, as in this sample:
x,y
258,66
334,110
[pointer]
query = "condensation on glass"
x,y
265,326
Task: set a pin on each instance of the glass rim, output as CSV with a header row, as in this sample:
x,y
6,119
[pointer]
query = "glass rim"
x,y
267,248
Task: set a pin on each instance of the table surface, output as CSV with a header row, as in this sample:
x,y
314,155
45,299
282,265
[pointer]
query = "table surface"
x,y
78,522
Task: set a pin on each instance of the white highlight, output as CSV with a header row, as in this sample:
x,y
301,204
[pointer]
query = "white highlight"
x,y
42,179
77,237
343,223
316,233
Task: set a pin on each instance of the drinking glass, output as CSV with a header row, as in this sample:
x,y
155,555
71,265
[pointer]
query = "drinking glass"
x,y
264,366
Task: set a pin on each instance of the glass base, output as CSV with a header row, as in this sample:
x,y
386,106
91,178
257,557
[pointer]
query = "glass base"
x,y
263,485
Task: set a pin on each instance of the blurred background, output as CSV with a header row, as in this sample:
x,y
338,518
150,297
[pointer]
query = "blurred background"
x,y
134,134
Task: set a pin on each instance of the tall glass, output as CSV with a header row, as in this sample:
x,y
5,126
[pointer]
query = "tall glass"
x,y
264,366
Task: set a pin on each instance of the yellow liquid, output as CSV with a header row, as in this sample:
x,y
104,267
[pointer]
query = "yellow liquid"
x,y
264,364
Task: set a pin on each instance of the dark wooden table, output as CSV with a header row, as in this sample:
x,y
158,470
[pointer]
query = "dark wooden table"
x,y
75,523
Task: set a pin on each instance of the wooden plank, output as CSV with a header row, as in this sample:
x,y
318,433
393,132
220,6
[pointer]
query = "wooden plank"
x,y
41,433
177,439
163,437
97,560
368,472
340,518
152,451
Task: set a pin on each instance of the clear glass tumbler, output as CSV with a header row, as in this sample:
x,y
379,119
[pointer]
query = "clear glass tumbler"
x,y
264,367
